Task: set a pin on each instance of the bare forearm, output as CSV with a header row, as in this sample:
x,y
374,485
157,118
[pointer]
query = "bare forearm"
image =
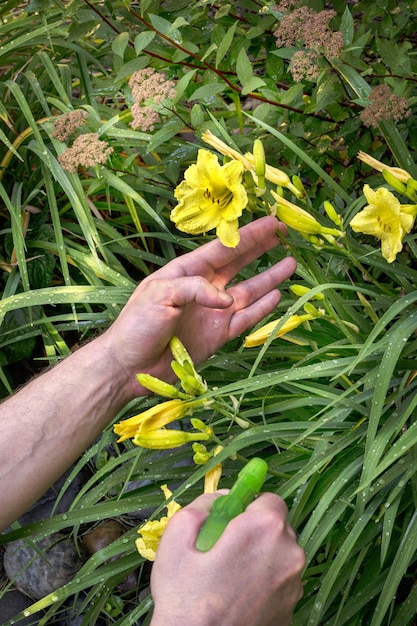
x,y
51,421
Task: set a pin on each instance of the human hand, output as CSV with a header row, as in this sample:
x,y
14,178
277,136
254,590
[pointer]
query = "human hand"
x,y
252,575
189,298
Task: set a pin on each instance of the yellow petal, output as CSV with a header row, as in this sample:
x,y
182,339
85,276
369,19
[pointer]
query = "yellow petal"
x,y
228,233
172,506
156,417
151,532
390,247
212,477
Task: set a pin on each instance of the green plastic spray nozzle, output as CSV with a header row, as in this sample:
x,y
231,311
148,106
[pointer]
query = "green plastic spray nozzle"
x,y
248,484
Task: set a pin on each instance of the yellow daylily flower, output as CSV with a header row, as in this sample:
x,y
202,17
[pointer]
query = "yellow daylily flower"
x,y
261,335
400,174
211,196
152,531
298,219
156,417
165,439
384,218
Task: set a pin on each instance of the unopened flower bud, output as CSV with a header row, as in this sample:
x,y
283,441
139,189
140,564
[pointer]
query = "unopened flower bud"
x,y
194,386
331,212
393,181
300,290
298,219
311,310
298,184
411,190
165,438
200,425
201,454
160,387
179,351
259,161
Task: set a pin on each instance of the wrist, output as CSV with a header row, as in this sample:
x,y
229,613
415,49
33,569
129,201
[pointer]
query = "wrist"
x,y
105,366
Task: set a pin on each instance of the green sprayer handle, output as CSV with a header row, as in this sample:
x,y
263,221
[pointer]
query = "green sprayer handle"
x,y
248,484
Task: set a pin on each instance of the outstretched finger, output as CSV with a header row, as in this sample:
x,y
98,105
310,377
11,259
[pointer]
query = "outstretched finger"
x,y
214,258
249,291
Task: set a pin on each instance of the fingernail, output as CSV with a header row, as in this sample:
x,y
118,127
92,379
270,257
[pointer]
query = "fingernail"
x,y
225,296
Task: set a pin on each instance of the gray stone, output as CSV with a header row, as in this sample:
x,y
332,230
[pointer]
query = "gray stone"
x,y
38,572
12,603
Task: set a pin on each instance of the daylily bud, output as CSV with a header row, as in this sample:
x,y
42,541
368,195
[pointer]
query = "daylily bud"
x,y
192,385
165,438
200,425
298,184
184,368
310,309
331,212
300,290
295,217
261,335
259,160
201,454
393,181
316,241
179,370
411,191
160,387
178,350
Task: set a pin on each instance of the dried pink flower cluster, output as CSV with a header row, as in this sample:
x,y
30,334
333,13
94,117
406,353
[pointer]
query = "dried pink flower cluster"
x,y
286,5
68,123
150,90
384,105
304,26
87,150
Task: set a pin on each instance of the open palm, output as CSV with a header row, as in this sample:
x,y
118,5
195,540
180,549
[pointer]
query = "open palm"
x,y
189,298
